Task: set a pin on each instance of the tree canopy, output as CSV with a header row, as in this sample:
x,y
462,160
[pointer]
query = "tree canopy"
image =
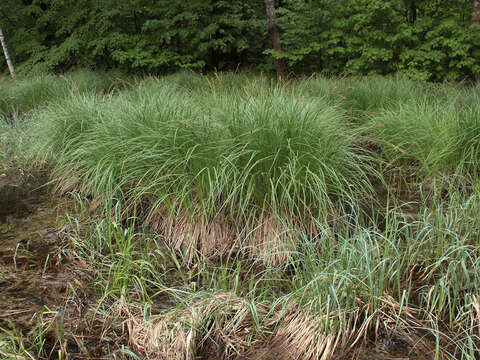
x,y
428,39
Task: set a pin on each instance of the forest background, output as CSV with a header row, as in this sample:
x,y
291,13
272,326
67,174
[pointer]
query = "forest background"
x,y
427,39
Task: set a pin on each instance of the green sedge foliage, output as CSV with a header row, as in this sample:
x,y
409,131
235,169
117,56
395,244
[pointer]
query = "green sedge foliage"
x,y
14,143
429,40
268,150
440,136
364,96
26,94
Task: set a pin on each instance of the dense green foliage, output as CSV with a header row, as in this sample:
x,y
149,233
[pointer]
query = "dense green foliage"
x,y
432,40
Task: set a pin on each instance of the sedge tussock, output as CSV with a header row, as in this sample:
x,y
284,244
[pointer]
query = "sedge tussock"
x,y
27,94
266,152
442,137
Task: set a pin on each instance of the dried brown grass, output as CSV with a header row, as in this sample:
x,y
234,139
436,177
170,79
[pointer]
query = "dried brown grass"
x,y
302,335
191,234
220,324
225,326
409,325
268,238
475,317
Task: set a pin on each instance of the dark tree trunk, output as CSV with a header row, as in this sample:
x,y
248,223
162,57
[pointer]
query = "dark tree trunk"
x,y
413,10
272,29
476,12
476,20
241,56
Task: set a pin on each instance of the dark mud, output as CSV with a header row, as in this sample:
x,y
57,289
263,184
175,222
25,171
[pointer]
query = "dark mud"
x,y
33,273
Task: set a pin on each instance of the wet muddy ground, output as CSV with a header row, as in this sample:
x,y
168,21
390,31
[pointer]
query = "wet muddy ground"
x,y
35,274
32,271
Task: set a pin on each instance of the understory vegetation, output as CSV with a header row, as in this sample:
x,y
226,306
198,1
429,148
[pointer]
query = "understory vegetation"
x,y
233,216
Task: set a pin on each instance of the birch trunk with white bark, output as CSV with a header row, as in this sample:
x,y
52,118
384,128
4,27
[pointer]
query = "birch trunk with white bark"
x,y
7,57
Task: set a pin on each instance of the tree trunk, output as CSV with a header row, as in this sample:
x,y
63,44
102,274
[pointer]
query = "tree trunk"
x,y
275,35
5,52
476,12
413,11
476,20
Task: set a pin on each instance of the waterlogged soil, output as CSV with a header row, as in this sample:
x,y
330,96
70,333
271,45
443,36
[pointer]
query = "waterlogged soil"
x,y
33,275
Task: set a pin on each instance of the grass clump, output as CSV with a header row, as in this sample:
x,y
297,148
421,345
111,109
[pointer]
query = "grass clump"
x,y
264,159
440,137
24,95
15,144
370,94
